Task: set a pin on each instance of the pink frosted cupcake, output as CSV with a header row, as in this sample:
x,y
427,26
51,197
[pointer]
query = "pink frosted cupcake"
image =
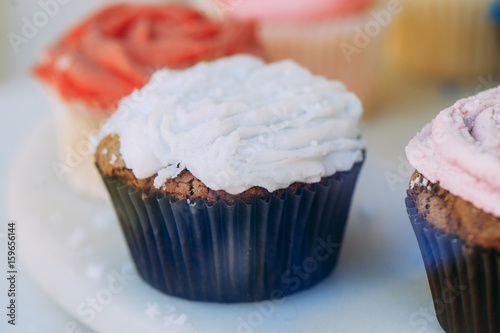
x,y
337,39
453,205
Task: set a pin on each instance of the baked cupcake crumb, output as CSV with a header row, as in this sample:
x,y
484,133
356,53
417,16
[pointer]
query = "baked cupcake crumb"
x,y
454,215
185,186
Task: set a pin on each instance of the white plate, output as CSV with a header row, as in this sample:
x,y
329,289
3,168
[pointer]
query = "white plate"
x,y
75,250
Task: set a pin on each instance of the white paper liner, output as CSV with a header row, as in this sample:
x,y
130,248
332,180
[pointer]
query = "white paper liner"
x,y
341,50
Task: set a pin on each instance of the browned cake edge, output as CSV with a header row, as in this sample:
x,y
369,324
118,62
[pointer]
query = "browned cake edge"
x,y
454,215
184,186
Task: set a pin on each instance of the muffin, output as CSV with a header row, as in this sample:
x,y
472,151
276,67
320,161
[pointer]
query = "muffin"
x,y
232,179
453,205
337,39
446,39
107,56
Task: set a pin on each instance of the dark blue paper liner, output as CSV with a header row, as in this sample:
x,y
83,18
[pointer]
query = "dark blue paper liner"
x,y
235,253
464,281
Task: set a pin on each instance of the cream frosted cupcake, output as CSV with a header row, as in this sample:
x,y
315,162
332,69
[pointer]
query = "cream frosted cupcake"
x,y
454,205
447,39
334,38
229,176
113,52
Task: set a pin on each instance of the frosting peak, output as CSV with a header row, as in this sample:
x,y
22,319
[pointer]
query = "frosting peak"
x,y
460,149
236,123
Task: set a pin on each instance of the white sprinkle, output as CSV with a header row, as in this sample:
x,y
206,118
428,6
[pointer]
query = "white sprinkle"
x,y
424,182
153,311
181,320
168,320
105,151
113,159
43,56
171,308
94,271
63,62
76,238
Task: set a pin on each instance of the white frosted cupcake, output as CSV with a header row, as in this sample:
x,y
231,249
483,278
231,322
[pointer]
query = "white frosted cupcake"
x,y
334,38
230,173
447,39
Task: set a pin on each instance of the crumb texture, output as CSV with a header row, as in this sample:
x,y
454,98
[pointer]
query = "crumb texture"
x,y
454,215
183,186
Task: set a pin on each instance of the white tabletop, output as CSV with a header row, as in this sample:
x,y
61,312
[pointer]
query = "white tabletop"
x,y
36,311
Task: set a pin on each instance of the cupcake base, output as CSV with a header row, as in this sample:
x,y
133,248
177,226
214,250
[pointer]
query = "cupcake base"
x,y
331,49
76,124
235,253
448,39
464,281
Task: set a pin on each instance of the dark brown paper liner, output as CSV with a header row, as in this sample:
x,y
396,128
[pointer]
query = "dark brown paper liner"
x,y
235,253
464,281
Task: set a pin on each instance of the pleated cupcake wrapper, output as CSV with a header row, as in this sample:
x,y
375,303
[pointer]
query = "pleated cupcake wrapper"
x,y
326,49
464,281
235,253
447,39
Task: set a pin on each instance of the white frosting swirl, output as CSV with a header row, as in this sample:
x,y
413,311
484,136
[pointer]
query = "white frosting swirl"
x,y
460,149
236,123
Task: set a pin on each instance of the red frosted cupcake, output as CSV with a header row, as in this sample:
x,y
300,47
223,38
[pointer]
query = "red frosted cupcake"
x,y
113,52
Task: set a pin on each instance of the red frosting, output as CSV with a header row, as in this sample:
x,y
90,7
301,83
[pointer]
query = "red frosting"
x,y
115,51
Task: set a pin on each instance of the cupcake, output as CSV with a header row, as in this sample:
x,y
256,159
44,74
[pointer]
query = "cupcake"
x,y
232,179
334,38
446,39
107,56
453,205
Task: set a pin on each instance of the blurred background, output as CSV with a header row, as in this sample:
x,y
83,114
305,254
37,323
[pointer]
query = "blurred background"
x,y
413,45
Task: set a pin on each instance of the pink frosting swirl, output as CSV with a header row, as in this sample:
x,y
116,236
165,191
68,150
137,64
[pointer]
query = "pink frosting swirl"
x,y
460,149
273,11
